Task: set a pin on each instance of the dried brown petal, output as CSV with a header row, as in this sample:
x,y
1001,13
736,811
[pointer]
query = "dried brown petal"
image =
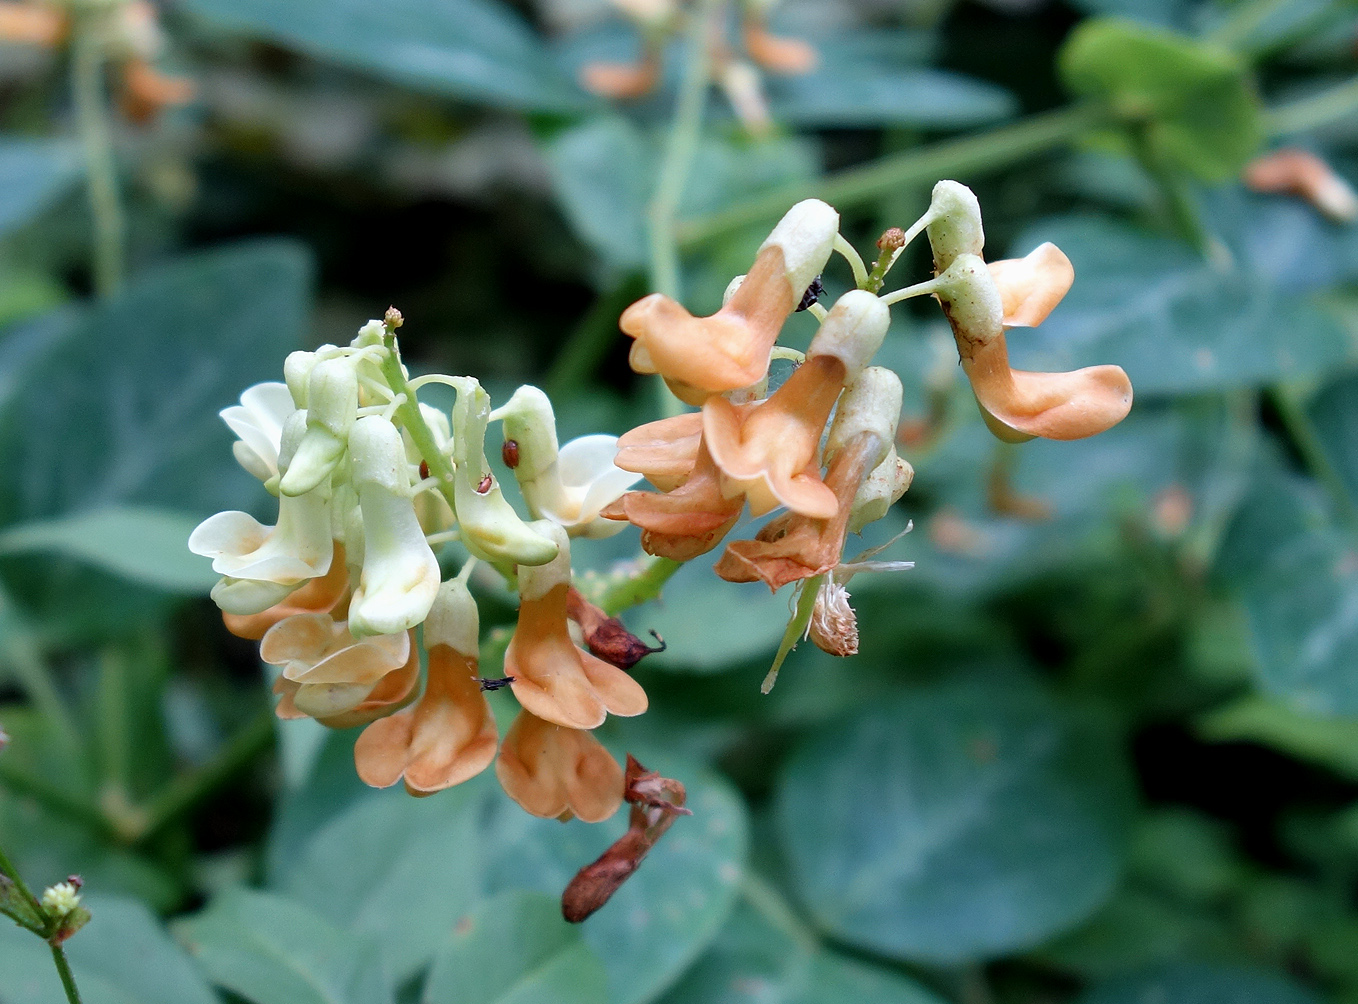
x,y
606,636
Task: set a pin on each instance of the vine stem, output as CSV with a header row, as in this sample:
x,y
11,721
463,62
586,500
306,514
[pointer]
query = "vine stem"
x,y
92,121
64,971
1312,112
1242,22
1302,432
58,953
440,467
988,151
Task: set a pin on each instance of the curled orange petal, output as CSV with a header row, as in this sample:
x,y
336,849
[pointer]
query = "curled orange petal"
x,y
558,773
1303,174
146,91
781,55
622,81
446,738
687,521
664,452
1030,287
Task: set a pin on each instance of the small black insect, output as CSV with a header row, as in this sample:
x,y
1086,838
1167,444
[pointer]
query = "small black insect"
x,y
812,295
495,684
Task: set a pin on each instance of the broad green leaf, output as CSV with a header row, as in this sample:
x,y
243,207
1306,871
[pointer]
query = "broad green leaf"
x,y
1296,574
122,956
476,50
1200,108
1202,984
396,869
143,544
124,410
516,949
959,822
272,950
33,173
1334,414
1174,321
752,960
1328,742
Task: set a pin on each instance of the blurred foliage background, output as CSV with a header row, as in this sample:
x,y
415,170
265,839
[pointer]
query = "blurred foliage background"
x,y
1100,745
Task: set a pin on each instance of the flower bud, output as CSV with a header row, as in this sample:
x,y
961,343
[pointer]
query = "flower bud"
x,y
490,528
400,574
806,236
880,490
332,406
247,597
454,620
872,403
297,372
853,331
955,226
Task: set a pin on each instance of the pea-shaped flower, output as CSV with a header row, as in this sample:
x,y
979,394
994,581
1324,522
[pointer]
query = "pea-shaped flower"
x,y
570,485
449,735
702,356
319,596
558,773
258,421
400,574
553,678
332,406
771,452
263,564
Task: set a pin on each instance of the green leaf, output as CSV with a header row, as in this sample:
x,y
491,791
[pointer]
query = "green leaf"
x,y
33,173
752,953
516,949
1296,573
146,545
1174,321
124,410
271,950
1334,415
1202,984
1199,108
398,870
123,956
1327,742
476,50
919,98
960,822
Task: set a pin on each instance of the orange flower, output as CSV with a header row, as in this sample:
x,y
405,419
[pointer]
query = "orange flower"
x,y
781,55
689,520
319,596
1303,174
1031,287
147,91
623,81
32,24
330,704
450,735
702,356
558,773
771,452
553,678
664,452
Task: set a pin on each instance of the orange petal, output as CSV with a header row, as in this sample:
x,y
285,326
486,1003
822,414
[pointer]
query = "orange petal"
x,y
392,693
32,24
146,91
448,737
770,451
711,355
1032,286
557,681
664,452
1051,405
688,521
621,81
781,55
319,596
556,772
1302,173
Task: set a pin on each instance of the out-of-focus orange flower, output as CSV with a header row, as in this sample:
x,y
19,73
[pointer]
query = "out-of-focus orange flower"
x,y
623,81
553,678
33,24
789,56
1303,174
147,92
319,596
557,772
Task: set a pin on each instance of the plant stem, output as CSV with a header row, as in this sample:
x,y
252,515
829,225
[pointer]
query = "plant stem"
x,y
185,792
591,340
56,799
64,971
640,587
1242,21
22,655
8,870
1313,112
440,466
988,151
92,121
680,148
770,904
1302,432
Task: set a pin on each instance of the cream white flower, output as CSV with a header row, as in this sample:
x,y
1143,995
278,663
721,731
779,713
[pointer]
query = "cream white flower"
x,y
569,485
258,421
334,670
332,406
400,576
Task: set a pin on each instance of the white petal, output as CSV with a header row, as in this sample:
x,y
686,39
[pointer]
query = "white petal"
x,y
231,532
252,461
248,596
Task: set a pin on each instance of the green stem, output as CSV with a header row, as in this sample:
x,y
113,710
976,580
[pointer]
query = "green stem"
x,y
1173,187
64,971
56,799
680,148
185,792
440,466
591,340
770,904
984,152
638,587
1302,432
92,121
8,870
1321,109
22,655
1242,22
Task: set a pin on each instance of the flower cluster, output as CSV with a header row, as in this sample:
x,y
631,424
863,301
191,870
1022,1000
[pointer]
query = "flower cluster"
x,y
344,591
127,31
